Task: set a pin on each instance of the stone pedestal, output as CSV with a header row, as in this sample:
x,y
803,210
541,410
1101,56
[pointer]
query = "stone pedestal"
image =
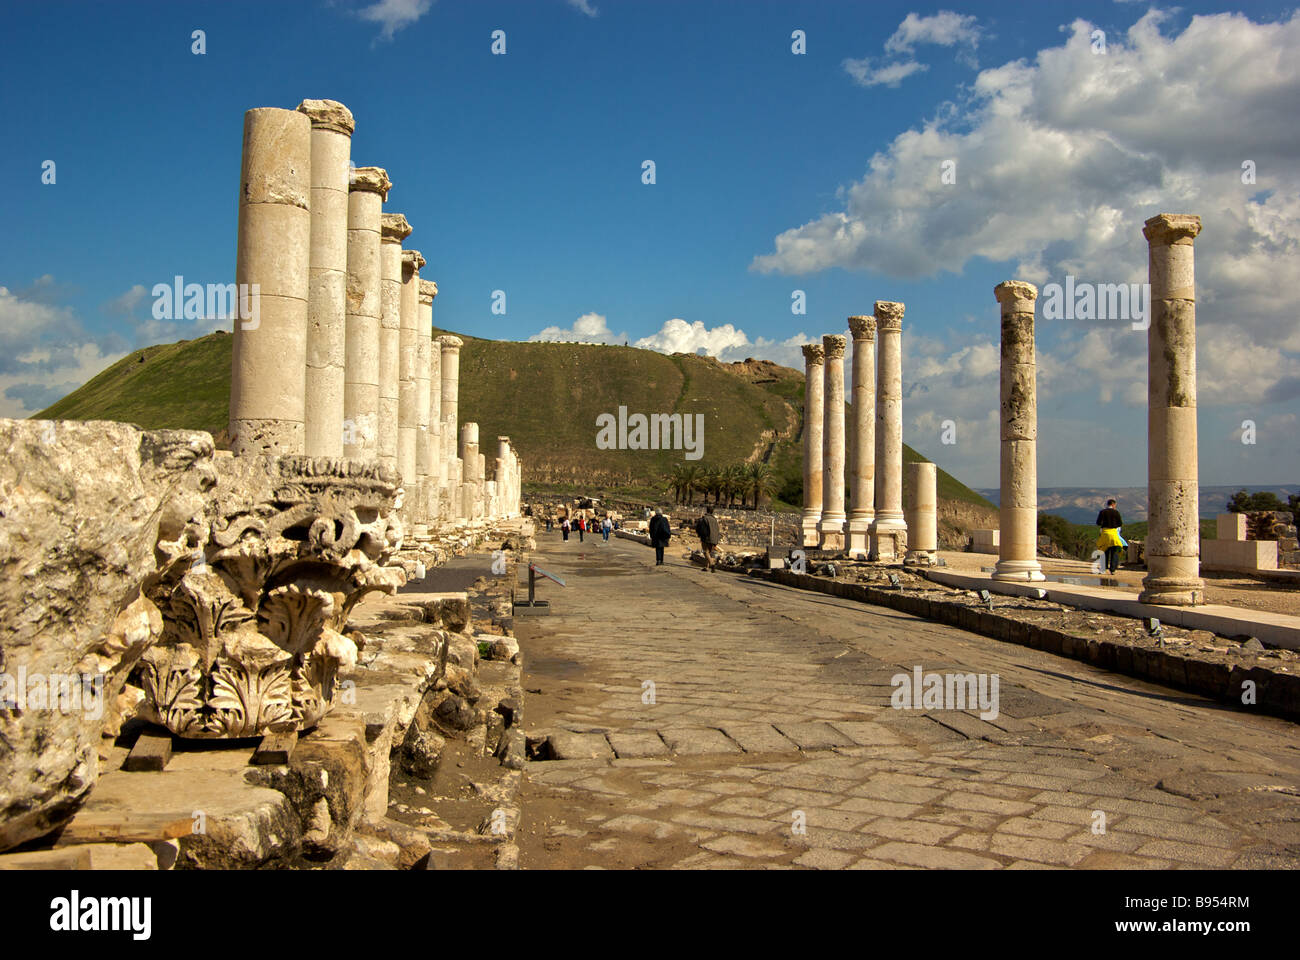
x,y
331,149
862,467
393,230
830,529
268,370
408,390
1173,490
368,188
813,411
922,519
1018,503
889,528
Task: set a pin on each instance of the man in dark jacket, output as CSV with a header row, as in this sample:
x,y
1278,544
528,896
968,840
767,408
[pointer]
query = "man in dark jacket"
x,y
710,535
660,533
1110,521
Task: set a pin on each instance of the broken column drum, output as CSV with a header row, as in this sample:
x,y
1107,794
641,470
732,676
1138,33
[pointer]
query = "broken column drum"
x,y
922,519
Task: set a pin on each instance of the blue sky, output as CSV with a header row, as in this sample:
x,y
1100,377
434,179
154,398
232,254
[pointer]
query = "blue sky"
x,y
523,173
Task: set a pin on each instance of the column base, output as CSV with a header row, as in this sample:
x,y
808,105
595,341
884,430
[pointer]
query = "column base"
x,y
888,540
831,533
859,546
921,558
809,530
1172,591
1018,571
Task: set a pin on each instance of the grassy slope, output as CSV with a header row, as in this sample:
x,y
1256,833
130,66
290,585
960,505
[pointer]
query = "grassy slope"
x,y
544,396
183,385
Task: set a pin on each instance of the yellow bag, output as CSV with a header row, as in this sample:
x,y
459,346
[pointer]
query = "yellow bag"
x,y
1109,537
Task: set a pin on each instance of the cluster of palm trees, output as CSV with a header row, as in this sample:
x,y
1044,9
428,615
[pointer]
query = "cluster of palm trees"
x,y
743,481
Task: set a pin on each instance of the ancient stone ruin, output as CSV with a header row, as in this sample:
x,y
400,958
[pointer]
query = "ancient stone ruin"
x,y
153,579
876,528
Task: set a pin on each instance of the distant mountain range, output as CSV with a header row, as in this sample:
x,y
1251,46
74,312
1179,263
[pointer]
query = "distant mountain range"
x,y
1081,504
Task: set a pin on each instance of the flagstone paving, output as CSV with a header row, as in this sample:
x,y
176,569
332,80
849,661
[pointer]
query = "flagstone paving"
x,y
723,722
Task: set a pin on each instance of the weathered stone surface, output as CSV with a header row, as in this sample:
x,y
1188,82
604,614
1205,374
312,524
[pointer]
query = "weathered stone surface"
x,y
254,637
88,513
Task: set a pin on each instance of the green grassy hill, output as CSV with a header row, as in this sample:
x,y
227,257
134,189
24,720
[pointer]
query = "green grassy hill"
x,y
544,396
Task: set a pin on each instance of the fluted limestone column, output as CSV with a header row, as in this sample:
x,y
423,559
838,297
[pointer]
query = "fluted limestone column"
x,y
393,230
449,347
429,445
1173,546
862,469
889,528
1018,501
368,188
831,528
331,150
922,520
814,358
408,351
268,367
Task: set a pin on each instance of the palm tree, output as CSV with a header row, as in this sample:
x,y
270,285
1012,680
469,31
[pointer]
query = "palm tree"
x,y
737,483
678,482
709,482
759,482
690,481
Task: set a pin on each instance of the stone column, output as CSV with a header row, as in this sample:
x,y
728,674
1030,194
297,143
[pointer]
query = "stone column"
x,y
393,230
1018,503
831,528
429,454
268,368
1173,546
367,191
449,347
922,521
889,528
862,470
813,411
423,342
408,352
331,149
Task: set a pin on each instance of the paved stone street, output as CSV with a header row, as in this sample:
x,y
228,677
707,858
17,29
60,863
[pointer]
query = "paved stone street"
x,y
770,740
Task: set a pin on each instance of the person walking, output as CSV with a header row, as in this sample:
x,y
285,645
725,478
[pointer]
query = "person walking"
x,y
564,528
605,527
660,533
707,529
1109,539
582,529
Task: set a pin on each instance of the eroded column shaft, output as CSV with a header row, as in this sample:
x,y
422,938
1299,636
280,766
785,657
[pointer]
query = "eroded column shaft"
x,y
862,469
831,528
889,528
331,150
268,369
813,413
1173,488
369,187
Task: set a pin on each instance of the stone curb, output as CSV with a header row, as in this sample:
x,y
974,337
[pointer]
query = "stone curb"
x,y
1276,693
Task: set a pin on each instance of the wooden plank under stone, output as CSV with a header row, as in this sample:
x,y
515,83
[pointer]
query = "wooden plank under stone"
x,y
275,748
151,753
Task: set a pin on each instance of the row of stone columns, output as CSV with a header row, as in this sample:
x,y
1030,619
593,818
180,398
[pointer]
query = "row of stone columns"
x,y
338,357
875,526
